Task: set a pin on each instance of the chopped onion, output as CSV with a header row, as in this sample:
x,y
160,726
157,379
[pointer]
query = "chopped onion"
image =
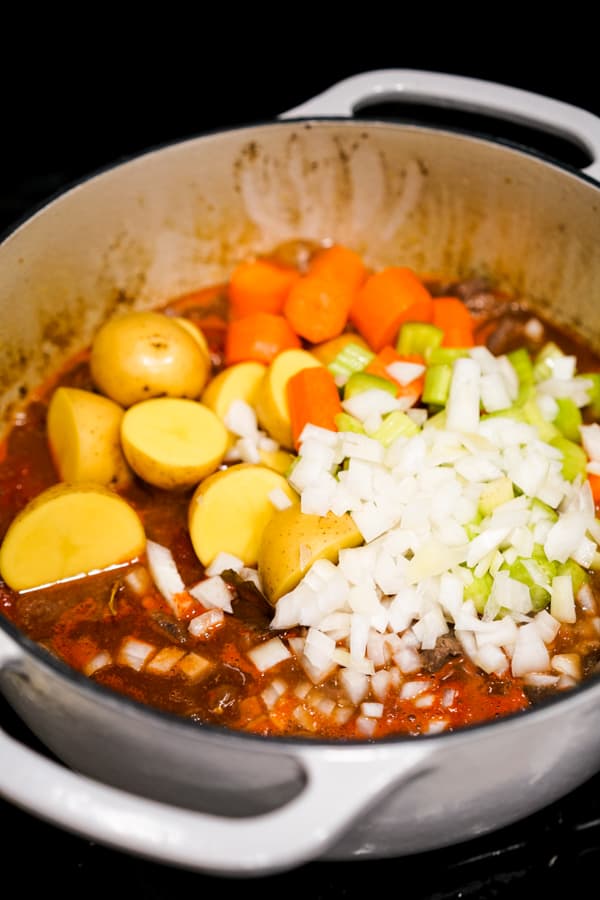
x,y
135,653
207,623
99,661
165,660
165,575
269,654
213,592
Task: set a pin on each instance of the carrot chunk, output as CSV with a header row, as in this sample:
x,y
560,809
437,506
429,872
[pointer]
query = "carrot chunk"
x,y
452,316
317,307
386,356
313,398
340,264
259,286
259,336
386,300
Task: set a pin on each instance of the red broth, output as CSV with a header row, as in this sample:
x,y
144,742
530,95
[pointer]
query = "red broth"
x,y
93,622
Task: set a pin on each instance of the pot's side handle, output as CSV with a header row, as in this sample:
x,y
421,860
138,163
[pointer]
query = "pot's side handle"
x,y
338,788
472,94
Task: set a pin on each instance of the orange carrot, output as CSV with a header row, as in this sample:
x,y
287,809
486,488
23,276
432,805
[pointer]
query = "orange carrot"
x,y
259,286
386,300
341,264
313,397
455,320
259,336
387,355
317,307
594,481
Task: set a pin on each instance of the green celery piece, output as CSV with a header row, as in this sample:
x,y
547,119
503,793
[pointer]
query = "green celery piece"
x,y
533,416
364,381
542,365
479,591
520,570
351,358
494,494
523,366
568,419
574,457
345,422
396,424
418,337
579,576
436,386
444,355
548,567
593,407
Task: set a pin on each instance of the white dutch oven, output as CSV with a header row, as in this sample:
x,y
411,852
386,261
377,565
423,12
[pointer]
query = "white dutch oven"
x,y
175,220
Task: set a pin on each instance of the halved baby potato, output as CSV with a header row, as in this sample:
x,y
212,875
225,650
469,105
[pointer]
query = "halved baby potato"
x,y
230,510
84,435
138,355
292,541
173,443
238,382
69,531
272,408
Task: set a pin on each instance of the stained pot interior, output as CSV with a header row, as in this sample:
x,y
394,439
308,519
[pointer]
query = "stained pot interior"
x,y
179,218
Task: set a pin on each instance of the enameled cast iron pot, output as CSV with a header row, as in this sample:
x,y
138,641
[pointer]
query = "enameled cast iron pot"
x,y
177,219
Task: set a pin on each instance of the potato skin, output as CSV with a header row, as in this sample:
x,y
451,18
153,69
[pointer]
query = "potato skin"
x,y
139,355
292,541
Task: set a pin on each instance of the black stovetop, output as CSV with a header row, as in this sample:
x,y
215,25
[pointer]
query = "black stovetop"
x,y
58,137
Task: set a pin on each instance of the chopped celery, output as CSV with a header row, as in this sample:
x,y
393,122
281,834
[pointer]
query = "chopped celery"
x,y
574,458
533,416
418,337
542,366
494,494
531,573
396,424
444,355
351,358
523,366
568,419
578,575
479,591
346,422
436,386
593,407
364,381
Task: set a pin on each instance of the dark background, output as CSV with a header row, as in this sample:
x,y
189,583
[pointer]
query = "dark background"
x,y
85,93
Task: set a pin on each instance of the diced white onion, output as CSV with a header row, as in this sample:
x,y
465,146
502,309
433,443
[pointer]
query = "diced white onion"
x,y
269,654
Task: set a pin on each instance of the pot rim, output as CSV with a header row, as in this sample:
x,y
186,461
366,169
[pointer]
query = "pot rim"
x,y
173,720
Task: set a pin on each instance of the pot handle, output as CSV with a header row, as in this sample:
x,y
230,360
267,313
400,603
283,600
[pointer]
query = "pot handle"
x,y
338,787
474,94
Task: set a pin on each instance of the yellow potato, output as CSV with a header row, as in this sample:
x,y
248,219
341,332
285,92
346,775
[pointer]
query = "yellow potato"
x,y
139,355
272,409
230,509
198,336
173,443
280,460
293,541
68,531
237,382
84,437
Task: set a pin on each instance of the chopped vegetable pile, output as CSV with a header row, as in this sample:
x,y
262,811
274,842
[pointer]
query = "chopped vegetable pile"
x,y
318,500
